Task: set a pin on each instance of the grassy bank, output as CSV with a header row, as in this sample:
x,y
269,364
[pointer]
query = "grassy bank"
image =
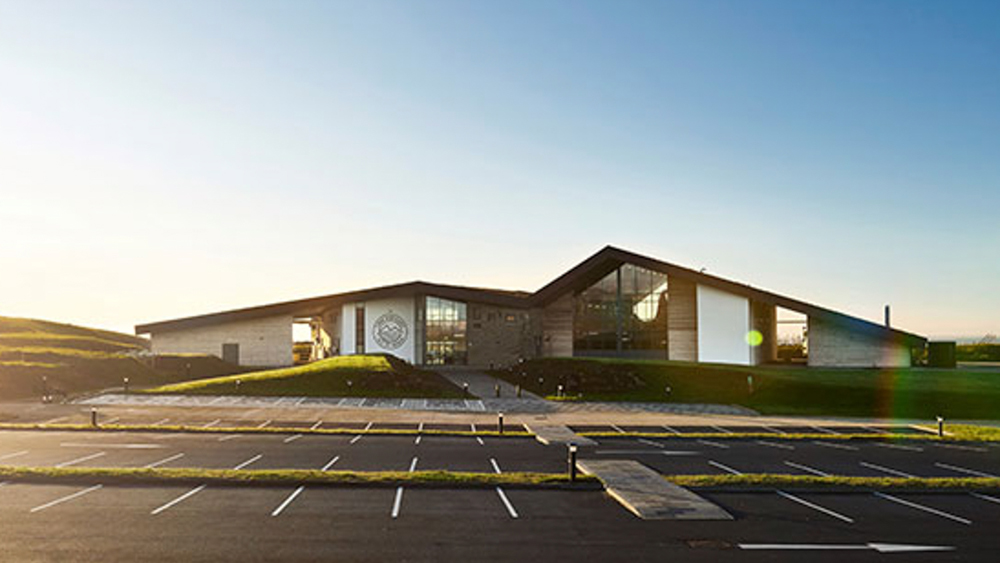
x,y
341,376
890,393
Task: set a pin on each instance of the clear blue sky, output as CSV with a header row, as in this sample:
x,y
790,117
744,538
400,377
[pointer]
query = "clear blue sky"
x,y
164,159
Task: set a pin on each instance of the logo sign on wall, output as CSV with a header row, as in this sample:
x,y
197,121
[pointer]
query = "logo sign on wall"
x,y
390,331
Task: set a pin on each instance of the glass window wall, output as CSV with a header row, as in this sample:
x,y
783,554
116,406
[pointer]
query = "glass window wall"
x,y
624,314
446,332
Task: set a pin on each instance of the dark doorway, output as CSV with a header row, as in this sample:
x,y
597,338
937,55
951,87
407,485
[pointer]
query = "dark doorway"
x,y
231,353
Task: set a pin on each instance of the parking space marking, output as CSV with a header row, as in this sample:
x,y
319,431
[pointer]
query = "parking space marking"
x,y
248,462
480,440
211,424
413,464
824,430
721,429
263,424
81,459
397,502
284,504
292,438
300,401
835,445
506,503
725,468
816,507
163,461
355,439
496,466
616,428
369,426
650,443
966,471
181,498
14,454
873,429
960,447
472,425
774,429
65,498
420,427
416,441
161,421
898,447
714,444
924,508
669,429
986,497
807,469
229,437
316,425
775,445
111,446
57,419
888,470
330,463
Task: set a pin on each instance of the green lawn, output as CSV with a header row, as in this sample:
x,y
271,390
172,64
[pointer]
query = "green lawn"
x,y
341,376
898,393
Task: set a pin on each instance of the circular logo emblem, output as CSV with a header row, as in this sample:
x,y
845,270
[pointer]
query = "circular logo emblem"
x,y
390,331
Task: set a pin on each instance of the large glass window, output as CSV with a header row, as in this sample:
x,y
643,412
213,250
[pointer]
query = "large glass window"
x,y
624,313
446,332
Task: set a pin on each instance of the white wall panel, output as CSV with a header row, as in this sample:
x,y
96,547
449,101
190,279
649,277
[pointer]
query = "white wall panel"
x,y
723,323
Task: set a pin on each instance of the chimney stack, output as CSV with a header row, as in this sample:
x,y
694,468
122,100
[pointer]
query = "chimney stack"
x,y
887,325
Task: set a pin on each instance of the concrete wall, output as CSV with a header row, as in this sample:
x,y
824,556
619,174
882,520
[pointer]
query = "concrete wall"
x,y
557,327
389,328
682,320
723,324
263,342
833,346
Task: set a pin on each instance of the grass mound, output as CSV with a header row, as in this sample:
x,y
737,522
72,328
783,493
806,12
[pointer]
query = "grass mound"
x,y
892,393
341,376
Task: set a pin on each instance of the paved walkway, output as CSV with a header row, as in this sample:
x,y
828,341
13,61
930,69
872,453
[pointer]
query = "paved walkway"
x,y
483,386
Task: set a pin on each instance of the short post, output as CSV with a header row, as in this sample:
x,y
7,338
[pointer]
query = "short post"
x,y
518,389
350,386
497,390
93,417
667,390
238,383
750,384
940,421
559,390
187,370
125,382
572,462
500,422
465,388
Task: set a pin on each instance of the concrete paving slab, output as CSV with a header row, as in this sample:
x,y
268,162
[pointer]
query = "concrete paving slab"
x,y
553,434
648,495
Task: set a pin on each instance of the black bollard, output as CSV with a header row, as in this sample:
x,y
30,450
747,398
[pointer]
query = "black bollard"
x,y
518,388
940,420
572,462
500,422
125,382
93,417
497,389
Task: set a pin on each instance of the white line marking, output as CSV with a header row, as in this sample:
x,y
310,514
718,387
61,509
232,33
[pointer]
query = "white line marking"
x,y
651,443
775,445
506,502
397,502
835,445
807,469
317,424
646,452
874,546
369,426
671,429
898,447
720,429
80,459
420,427
824,430
66,498
55,420
162,421
211,424
986,497
773,429
163,461
111,446
292,438
229,437
480,440
725,468
888,470
111,420
472,425
966,471
496,467
817,507
413,464
713,444
300,401
284,504
263,424
330,463
186,495
927,509
15,454
355,439
959,447
416,442
875,430
249,461
617,429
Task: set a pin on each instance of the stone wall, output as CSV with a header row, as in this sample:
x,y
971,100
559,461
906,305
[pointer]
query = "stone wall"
x,y
499,336
557,327
263,342
834,346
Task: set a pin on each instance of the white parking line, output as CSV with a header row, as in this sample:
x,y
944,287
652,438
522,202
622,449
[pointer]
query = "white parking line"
x,y
249,461
413,464
960,447
873,429
14,454
316,425
616,428
420,427
229,437
966,471
111,446
186,495
161,421
416,441
57,419
284,504
775,445
300,401
888,470
496,466
835,445
721,429
163,461
650,443
480,440
898,447
472,425
211,424
369,426
986,497
824,430
927,509
330,463
713,444
397,502
66,498
355,439
671,429
506,503
807,469
292,438
725,468
263,424
816,507
111,420
773,429
81,459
